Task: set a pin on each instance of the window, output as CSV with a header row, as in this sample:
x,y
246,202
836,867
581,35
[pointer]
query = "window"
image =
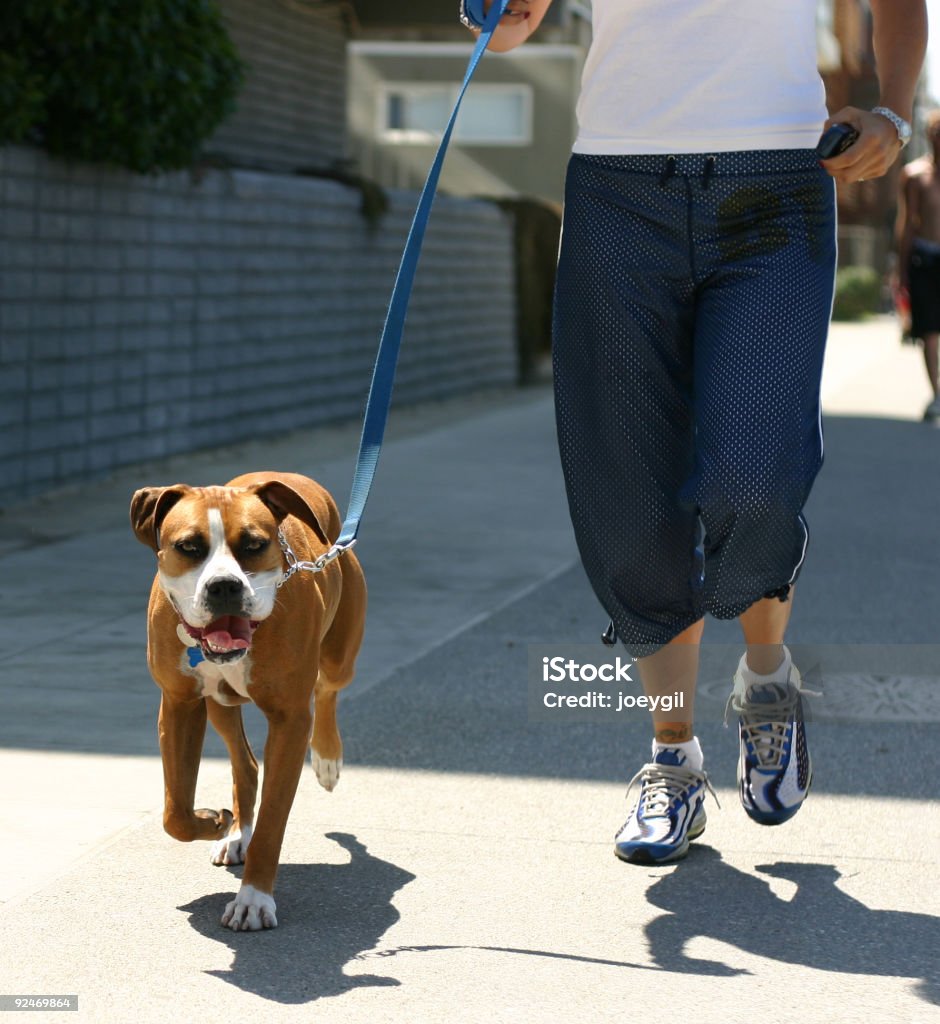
x,y
490,115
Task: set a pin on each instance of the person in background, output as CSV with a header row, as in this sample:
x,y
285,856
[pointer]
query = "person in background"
x,y
918,240
692,305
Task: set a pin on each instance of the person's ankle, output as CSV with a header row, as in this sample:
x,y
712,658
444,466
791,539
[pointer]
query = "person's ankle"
x,y
765,659
691,748
672,734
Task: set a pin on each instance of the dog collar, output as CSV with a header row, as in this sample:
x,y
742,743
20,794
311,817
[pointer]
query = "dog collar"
x,y
294,564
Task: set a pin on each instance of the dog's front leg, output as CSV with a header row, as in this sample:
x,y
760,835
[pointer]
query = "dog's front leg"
x,y
182,728
284,753
233,847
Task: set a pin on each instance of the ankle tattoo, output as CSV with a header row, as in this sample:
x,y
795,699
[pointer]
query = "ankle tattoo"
x,y
675,732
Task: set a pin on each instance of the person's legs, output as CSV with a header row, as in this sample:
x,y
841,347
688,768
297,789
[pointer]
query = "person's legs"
x,y
622,353
924,285
767,266
930,343
652,451
930,359
623,382
761,328
764,625
674,668
774,765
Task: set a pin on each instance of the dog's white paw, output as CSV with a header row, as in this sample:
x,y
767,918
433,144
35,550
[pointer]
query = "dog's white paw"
x,y
231,849
250,911
327,770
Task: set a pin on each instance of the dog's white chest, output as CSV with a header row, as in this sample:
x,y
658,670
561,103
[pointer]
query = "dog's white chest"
x,y
218,681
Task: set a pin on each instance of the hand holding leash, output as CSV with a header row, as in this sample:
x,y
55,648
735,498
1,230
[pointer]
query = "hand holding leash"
x,y
473,12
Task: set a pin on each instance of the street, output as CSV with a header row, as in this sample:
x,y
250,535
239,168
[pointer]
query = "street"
x,y
463,869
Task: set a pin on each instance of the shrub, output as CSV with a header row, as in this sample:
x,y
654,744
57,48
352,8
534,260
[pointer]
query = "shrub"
x,y
858,292
137,83
22,96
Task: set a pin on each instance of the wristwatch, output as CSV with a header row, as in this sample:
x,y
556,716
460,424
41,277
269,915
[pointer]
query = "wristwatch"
x,y
900,125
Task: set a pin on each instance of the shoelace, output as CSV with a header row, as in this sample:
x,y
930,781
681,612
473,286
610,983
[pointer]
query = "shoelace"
x,y
765,724
663,783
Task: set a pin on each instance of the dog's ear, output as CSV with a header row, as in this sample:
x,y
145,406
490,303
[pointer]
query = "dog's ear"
x,y
314,508
149,507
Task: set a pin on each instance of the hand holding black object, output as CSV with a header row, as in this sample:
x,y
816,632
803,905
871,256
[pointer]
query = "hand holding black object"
x,y
835,140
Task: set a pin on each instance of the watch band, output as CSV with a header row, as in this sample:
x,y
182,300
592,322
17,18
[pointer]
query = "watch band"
x,y
900,125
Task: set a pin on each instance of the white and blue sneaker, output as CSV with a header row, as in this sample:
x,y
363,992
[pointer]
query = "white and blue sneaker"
x,y
774,766
669,810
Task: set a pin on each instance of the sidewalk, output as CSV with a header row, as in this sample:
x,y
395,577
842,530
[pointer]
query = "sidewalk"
x,y
462,870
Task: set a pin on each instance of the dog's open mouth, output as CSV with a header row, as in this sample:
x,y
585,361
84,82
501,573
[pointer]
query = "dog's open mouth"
x,y
225,639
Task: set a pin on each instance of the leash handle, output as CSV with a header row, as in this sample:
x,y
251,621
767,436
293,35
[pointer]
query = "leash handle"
x,y
383,374
472,13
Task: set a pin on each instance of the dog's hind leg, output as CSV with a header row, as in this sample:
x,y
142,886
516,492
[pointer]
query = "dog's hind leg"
x,y
227,720
326,746
338,652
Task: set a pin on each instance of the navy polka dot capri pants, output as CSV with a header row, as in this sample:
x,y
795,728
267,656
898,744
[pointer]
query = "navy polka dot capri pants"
x,y
692,305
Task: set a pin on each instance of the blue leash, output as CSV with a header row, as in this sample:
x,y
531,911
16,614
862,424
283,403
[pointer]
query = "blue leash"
x,y
383,375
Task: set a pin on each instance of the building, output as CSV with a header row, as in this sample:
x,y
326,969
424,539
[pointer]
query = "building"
x,y
517,123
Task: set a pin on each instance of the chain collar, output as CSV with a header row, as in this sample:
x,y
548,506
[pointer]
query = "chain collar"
x,y
294,564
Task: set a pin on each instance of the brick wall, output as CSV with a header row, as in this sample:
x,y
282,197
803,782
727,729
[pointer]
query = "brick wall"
x,y
291,111
145,316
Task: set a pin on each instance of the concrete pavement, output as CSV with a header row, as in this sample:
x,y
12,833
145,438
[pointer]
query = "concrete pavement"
x,y
462,870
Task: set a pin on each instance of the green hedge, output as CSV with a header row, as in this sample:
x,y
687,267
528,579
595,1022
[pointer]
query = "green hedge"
x,y
858,293
135,83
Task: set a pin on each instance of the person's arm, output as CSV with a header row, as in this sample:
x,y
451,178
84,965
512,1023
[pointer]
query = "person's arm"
x,y
899,37
521,19
900,41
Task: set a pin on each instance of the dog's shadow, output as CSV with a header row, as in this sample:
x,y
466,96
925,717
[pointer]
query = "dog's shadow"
x,y
328,914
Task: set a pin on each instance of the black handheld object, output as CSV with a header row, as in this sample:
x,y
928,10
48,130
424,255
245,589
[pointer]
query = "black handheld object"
x,y
835,140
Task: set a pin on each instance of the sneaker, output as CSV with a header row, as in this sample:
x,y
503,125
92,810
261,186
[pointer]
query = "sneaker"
x,y
668,813
774,766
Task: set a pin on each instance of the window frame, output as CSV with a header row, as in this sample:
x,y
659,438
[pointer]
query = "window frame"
x,y
419,137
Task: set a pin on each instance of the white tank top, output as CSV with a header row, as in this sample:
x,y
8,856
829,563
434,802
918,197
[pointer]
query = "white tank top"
x,y
700,76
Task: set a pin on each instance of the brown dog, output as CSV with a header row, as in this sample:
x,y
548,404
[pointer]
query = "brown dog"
x,y
222,632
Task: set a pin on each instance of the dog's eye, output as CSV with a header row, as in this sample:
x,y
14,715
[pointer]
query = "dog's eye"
x,y
254,545
192,548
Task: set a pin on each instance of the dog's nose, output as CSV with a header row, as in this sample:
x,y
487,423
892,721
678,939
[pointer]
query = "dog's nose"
x,y
225,588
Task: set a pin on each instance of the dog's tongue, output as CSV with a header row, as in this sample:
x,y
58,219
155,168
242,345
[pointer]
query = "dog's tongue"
x,y
230,633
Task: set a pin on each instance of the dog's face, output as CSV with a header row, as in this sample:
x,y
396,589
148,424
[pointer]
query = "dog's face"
x,y
219,564
219,558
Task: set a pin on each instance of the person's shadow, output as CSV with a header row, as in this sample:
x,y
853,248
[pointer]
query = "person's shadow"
x,y
328,914
820,927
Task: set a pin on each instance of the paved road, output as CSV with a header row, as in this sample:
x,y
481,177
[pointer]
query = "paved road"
x,y
462,870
